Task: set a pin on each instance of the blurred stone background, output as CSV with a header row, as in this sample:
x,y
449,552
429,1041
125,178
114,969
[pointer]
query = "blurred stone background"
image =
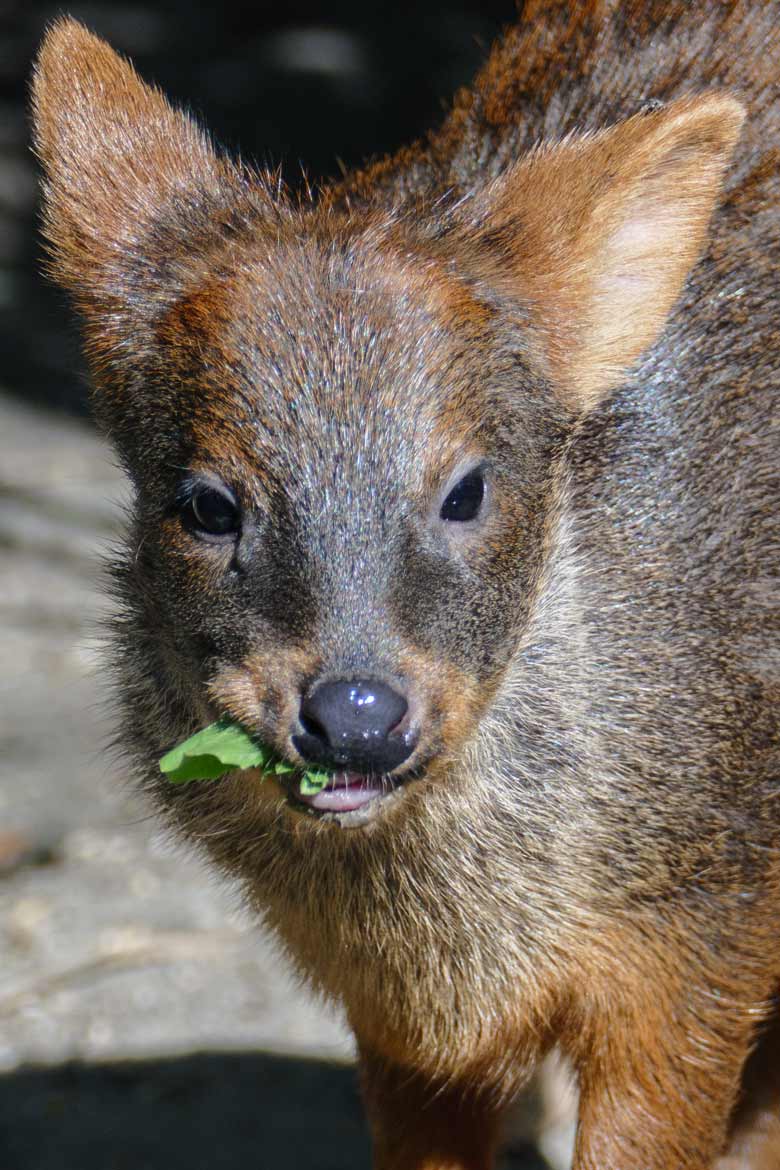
x,y
144,1022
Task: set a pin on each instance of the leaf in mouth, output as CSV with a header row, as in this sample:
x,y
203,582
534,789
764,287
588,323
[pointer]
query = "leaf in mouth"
x,y
313,781
225,746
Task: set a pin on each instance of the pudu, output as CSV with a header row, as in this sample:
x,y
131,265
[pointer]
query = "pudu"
x,y
460,478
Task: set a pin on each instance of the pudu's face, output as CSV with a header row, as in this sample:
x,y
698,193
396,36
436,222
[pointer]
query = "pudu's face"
x,y
338,536
344,427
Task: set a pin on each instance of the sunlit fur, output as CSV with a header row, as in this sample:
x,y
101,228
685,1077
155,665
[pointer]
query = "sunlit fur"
x,y
574,280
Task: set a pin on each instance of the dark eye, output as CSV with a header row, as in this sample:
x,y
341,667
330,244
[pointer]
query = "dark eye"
x,y
212,511
465,499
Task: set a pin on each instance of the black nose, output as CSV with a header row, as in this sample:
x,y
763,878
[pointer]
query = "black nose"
x,y
349,724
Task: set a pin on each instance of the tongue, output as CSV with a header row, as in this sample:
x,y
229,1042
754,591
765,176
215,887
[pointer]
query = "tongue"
x,y
345,792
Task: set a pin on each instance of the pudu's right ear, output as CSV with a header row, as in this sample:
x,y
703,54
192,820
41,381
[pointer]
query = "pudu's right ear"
x,y
120,163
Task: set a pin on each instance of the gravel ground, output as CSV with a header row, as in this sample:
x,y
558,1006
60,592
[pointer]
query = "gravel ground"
x,y
144,1021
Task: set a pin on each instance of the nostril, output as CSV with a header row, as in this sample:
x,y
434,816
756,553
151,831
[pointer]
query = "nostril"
x,y
311,724
402,722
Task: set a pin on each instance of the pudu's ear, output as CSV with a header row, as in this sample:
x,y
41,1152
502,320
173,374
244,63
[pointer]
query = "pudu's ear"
x,y
596,235
119,163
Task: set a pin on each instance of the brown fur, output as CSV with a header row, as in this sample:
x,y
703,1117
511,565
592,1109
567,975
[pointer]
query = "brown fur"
x,y
574,279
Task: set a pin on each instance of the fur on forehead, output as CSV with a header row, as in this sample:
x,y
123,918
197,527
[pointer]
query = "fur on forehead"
x,y
302,269
312,332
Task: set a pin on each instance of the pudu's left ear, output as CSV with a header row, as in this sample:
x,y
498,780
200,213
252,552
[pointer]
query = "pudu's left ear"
x,y
596,234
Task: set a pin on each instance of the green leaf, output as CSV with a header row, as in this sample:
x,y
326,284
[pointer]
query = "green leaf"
x,y
313,781
225,745
209,753
203,767
281,767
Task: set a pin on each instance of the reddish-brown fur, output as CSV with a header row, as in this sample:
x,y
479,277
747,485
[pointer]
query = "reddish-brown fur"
x,y
574,279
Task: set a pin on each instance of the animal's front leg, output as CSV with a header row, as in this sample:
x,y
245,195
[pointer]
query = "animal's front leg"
x,y
659,1076
619,1130
754,1143
417,1125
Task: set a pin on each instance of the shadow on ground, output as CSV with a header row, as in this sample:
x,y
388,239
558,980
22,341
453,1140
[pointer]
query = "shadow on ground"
x,y
203,1112
215,1111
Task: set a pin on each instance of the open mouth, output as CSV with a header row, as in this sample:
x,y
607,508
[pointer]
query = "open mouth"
x,y
358,793
350,797
345,792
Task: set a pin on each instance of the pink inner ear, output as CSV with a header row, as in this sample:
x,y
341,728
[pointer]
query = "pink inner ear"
x,y
640,267
613,224
639,241
634,268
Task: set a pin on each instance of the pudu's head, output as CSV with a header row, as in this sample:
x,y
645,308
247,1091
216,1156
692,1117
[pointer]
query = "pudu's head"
x,y
343,425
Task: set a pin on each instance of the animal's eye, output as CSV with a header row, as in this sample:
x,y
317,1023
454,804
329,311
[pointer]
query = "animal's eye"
x,y
213,512
465,499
